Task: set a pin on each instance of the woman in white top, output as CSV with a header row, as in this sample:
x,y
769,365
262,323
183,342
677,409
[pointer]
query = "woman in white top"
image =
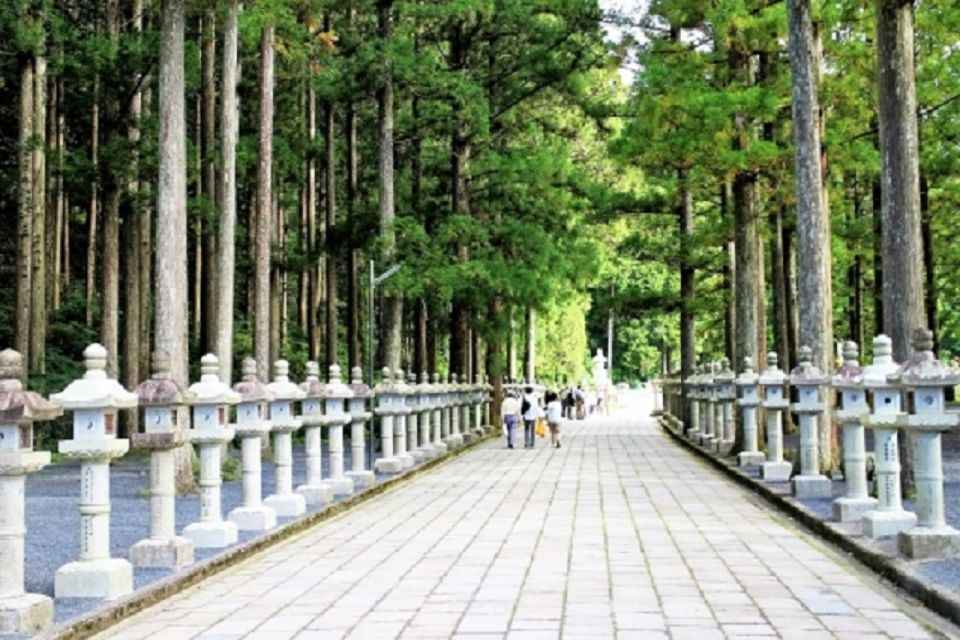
x,y
510,411
530,407
554,413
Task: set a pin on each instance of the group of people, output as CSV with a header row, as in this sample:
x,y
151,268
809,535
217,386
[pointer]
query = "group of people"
x,y
526,407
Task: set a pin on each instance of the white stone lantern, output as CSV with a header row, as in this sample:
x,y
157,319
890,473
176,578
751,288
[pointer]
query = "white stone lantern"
x,y
283,422
252,426
926,379
749,384
210,430
708,403
403,391
413,419
726,381
423,422
848,380
163,401
452,409
388,403
336,395
20,612
479,397
314,490
775,402
359,417
809,382
487,403
439,428
691,383
94,401
465,389
889,518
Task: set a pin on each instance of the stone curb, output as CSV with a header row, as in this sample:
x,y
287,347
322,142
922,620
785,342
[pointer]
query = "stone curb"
x,y
113,613
896,571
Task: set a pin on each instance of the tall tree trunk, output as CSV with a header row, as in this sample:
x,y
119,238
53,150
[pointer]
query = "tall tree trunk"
x,y
688,336
780,286
903,290
530,350
276,286
330,148
877,214
54,204
261,337
353,272
855,274
313,232
929,272
145,238
93,210
171,238
729,268
209,286
38,284
460,149
226,245
110,289
24,273
512,347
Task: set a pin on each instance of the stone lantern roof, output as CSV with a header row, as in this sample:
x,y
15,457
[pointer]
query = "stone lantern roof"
x,y
875,374
400,383
336,389
211,389
849,375
250,388
748,376
725,375
357,385
386,385
923,369
95,390
806,373
16,403
161,390
282,388
772,375
312,386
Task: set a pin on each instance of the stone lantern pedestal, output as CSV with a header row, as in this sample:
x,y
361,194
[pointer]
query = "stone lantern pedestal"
x,y
809,380
775,402
413,420
425,447
439,429
210,429
163,401
889,518
400,430
726,395
315,491
749,385
359,416
848,380
693,400
388,403
20,612
336,395
479,391
926,378
708,412
252,427
94,401
452,414
283,423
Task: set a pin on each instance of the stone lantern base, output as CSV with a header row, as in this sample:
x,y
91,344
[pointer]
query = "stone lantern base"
x,y
211,535
290,505
259,518
387,465
27,614
169,553
316,494
879,524
361,479
106,579
406,460
776,471
419,455
723,447
926,542
468,437
440,448
750,459
453,440
852,509
812,487
705,440
341,486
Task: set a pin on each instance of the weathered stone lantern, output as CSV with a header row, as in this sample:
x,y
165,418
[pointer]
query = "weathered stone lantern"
x,y
94,401
775,402
210,429
809,382
20,612
749,384
848,380
478,395
436,403
926,379
252,426
708,413
388,403
413,419
451,403
283,422
315,491
403,391
487,403
359,416
423,405
691,383
163,401
726,381
889,518
336,396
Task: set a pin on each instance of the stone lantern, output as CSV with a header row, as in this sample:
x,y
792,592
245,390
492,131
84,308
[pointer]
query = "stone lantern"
x,y
889,518
926,379
749,385
413,419
479,397
466,392
283,422
691,383
809,382
726,381
775,402
423,405
403,391
439,427
388,402
359,416
336,396
210,430
163,401
252,426
708,403
94,401
20,612
487,403
315,491
454,439
848,380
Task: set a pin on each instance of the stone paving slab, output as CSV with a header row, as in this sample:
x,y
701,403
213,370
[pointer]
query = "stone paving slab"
x,y
619,534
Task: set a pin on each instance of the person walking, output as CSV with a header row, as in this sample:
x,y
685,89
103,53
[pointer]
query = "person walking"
x,y
510,412
530,408
554,414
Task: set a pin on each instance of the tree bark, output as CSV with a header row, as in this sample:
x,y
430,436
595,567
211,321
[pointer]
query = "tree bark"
x,y
110,288
353,261
530,351
330,275
688,336
460,148
38,284
209,286
264,207
25,193
93,211
877,207
780,287
929,271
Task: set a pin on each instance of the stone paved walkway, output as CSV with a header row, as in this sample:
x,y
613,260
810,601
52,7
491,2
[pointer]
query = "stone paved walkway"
x,y
619,534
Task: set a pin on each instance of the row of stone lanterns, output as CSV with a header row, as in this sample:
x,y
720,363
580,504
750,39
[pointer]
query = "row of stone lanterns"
x,y
884,397
261,410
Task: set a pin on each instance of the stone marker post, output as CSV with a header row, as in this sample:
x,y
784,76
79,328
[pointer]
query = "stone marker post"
x,y
252,426
413,419
314,491
848,380
726,381
336,396
400,421
20,612
926,378
359,416
749,384
809,382
439,428
283,423
889,518
466,429
479,392
775,402
94,401
453,410
163,401
209,430
426,448
693,398
708,407
388,402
